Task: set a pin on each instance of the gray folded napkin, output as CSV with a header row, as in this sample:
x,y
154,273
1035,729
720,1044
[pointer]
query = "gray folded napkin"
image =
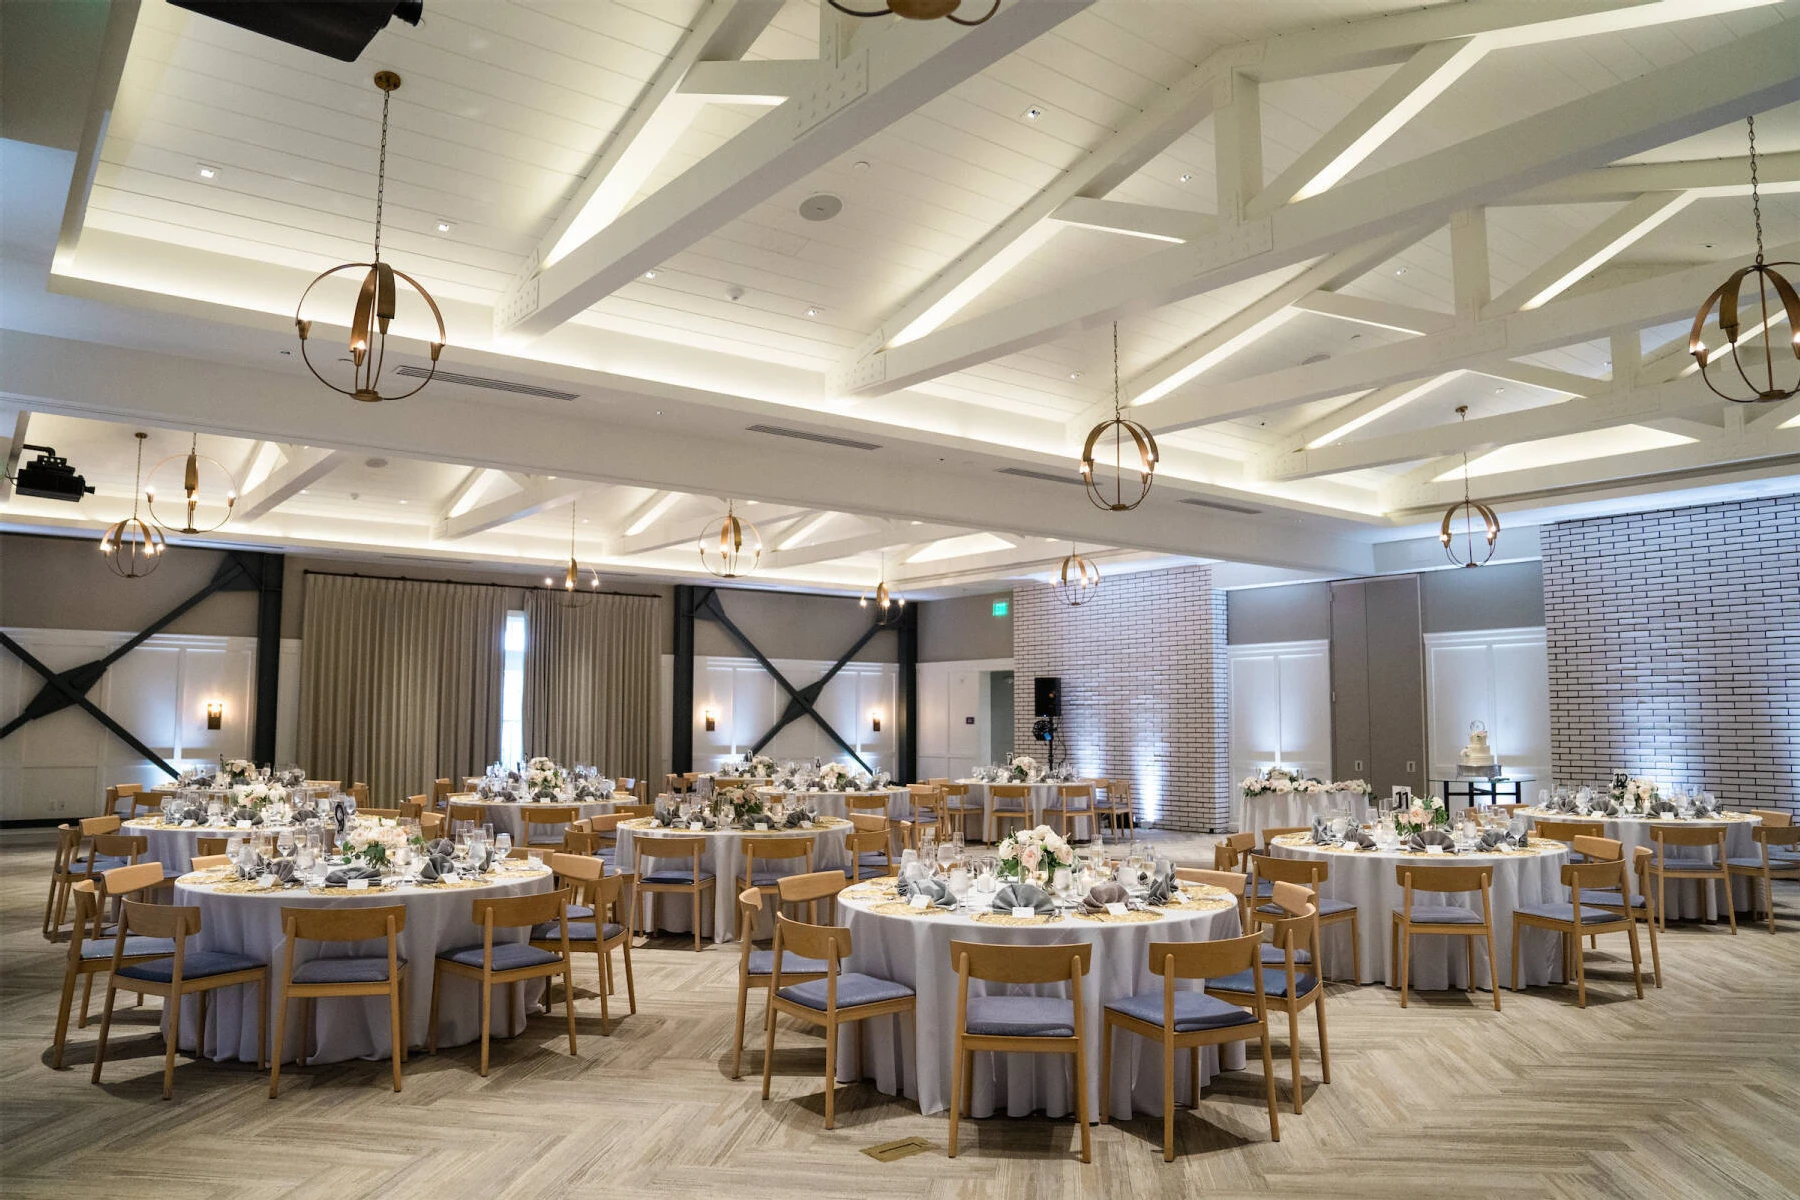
x,y
1024,895
1432,837
1703,809
435,868
1103,894
1563,804
1359,839
798,817
1491,839
1519,840
185,812
341,876
933,889
1658,807
1161,888
1321,835
246,814
443,847
303,815
668,818
253,870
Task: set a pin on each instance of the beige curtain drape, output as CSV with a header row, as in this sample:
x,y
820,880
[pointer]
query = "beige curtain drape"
x,y
399,682
590,681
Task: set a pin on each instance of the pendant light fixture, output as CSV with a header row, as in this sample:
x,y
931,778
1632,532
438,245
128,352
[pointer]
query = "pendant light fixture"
x,y
133,547
889,604
375,300
578,584
1468,510
1076,580
1754,360
1108,440
731,548
920,10
193,465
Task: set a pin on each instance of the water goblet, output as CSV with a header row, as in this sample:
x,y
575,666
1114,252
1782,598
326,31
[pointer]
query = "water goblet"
x,y
502,843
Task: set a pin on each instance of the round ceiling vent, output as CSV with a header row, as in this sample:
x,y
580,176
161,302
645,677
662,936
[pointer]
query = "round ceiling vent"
x,y
821,207
375,463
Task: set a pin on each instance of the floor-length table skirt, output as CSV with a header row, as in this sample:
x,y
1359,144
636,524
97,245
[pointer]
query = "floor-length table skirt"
x,y
175,846
1043,795
914,1053
837,804
1294,810
1366,878
437,919
508,816
1689,899
724,857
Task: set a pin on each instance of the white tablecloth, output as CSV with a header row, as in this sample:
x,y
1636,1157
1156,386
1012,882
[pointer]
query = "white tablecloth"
x,y
724,857
508,816
981,796
1689,899
1366,878
837,804
437,919
916,951
1278,810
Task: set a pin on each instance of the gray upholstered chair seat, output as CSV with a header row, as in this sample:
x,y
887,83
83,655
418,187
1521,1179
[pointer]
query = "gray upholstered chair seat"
x,y
1021,1016
1193,1011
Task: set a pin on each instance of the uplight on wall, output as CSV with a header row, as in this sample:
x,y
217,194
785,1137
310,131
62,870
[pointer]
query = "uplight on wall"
x,y
711,720
875,721
215,713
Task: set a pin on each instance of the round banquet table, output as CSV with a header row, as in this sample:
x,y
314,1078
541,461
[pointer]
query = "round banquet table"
x,y
174,846
837,804
1367,879
914,949
981,796
508,816
1289,810
724,858
437,919
1689,899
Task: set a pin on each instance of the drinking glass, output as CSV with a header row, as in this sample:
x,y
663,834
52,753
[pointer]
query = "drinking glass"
x,y
958,883
502,843
946,854
284,842
487,833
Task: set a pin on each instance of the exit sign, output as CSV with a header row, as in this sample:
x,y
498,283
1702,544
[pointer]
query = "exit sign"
x,y
1002,607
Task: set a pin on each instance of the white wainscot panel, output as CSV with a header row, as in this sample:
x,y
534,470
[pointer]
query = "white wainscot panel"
x,y
1499,677
1280,710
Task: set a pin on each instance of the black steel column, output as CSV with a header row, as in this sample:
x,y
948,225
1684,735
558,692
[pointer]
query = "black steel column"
x,y
681,699
905,740
269,569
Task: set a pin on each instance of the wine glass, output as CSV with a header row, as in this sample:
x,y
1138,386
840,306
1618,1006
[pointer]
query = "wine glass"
x,y
502,843
946,853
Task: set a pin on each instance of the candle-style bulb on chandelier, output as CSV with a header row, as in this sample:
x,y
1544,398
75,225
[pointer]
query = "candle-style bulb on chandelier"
x,y
919,10
133,547
1753,352
577,586
1076,580
889,604
195,491
375,302
1105,453
730,547
1468,510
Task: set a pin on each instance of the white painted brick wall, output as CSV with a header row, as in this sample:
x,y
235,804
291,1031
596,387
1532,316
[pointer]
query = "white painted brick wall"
x,y
1674,642
1144,680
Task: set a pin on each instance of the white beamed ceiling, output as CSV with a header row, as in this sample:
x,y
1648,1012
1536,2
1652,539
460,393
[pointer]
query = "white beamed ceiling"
x,y
505,110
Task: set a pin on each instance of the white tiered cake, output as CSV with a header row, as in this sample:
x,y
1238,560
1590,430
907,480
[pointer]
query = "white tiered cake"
x,y
1476,758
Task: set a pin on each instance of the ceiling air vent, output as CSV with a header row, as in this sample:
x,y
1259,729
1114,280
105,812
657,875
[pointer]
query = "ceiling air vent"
x,y
1041,476
1197,502
492,385
802,435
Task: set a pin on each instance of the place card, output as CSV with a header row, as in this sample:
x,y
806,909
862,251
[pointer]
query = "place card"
x,y
358,885
1116,908
1021,912
244,825
762,827
920,900
695,826
265,881
1434,848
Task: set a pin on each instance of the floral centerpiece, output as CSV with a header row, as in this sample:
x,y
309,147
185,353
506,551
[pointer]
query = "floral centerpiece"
x,y
742,806
1426,812
1639,794
237,770
834,777
757,766
544,778
1281,781
1035,855
1021,767
258,795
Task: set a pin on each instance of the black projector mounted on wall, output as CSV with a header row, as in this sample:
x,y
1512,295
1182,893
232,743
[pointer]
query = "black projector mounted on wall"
x,y
50,478
338,29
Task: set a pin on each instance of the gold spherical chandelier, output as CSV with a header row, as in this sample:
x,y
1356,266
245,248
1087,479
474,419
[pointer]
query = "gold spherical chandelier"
x,y
889,604
919,10
1076,580
133,547
375,301
1108,440
732,547
193,466
578,585
1468,511
1760,342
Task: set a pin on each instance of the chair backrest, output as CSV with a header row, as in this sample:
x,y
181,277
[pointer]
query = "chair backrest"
x,y
1235,882
108,823
634,810
1567,831
606,823
1307,872
580,841
512,912
381,814
625,784
1010,791
559,815
867,841
1780,835
467,812
1774,818
1229,854
1066,792
68,845
954,791
579,872
344,924
210,845
999,962
361,793
1299,930
1274,831
118,845
816,885
926,796
159,921
206,862
864,822
871,803
1600,849
1594,875
671,847
827,943
1418,877
1205,960
431,824
776,849
440,789
414,806
750,902
1686,835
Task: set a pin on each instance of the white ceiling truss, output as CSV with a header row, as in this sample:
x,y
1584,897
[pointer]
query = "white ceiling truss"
x,y
1321,226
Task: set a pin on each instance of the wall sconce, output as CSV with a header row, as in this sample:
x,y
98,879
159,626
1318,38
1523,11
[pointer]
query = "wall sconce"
x,y
215,713
875,721
711,722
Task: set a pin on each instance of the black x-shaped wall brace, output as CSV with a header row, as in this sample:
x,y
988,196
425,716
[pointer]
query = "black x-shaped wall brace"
x,y
702,604
241,571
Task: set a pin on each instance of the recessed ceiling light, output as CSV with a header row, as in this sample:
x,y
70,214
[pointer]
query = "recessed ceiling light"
x,y
303,491
207,172
860,164
1187,177
403,502
1399,270
375,463
812,312
1074,374
1033,113
659,412
1499,391
444,227
649,274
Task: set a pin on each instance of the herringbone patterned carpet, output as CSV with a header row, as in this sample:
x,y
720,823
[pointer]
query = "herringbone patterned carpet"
x,y
1693,1092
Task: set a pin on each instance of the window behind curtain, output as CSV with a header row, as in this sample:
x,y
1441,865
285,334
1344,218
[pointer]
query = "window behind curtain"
x,y
512,689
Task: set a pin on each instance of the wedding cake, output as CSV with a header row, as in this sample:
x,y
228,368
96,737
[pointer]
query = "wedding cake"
x,y
1476,758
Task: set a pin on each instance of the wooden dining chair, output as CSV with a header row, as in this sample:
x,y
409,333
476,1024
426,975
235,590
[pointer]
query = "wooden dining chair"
x,y
65,868
1309,873
599,920
1287,984
836,999
322,977
1114,803
1188,1020
431,825
1778,858
491,965
959,806
1006,1024
1233,852
1774,818
926,808
183,973
91,951
756,969
870,856
1573,920
779,855
630,811
441,790
1272,832
1637,902
691,880
414,807
1705,871
545,823
1007,803
1443,919
127,800
1566,830
1074,802
360,793
605,828
1235,882
380,814
208,862
460,811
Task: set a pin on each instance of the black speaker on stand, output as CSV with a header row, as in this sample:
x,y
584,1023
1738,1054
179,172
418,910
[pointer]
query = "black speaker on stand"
x,y
1046,707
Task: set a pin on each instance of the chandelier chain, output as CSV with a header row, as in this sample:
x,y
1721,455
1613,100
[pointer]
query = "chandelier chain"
x,y
1117,394
381,172
1755,191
